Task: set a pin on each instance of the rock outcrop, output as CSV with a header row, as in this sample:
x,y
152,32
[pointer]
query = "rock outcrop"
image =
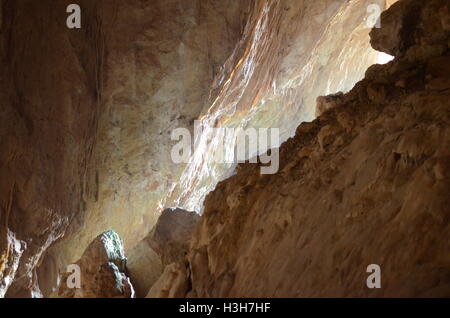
x,y
365,183
172,234
86,116
173,283
102,271
144,267
49,109
167,243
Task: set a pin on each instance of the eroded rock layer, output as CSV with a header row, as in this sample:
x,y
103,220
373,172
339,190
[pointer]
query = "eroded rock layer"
x,y
167,243
100,273
365,183
86,117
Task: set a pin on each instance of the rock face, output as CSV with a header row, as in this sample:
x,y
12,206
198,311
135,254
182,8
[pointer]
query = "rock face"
x,y
167,243
86,118
102,271
160,58
173,283
291,52
50,106
365,183
87,114
144,267
172,234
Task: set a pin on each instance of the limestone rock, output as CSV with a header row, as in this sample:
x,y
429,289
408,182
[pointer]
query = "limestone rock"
x,y
327,102
365,183
86,114
291,52
172,234
82,111
166,244
174,283
410,23
103,271
397,27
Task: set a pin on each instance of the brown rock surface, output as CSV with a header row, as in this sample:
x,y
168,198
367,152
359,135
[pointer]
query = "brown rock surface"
x,y
365,183
102,269
173,283
144,267
167,243
49,108
172,234
86,114
81,113
160,60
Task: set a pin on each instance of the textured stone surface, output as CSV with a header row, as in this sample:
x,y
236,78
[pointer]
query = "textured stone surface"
x,y
86,114
398,36
86,118
144,267
167,243
160,59
102,269
365,183
291,52
173,283
49,110
172,234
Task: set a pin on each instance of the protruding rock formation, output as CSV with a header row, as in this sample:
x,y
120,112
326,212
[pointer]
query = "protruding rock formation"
x,y
102,271
144,267
365,183
166,244
325,103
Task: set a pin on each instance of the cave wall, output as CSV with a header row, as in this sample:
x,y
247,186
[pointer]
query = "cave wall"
x,y
86,116
161,57
292,51
50,106
365,183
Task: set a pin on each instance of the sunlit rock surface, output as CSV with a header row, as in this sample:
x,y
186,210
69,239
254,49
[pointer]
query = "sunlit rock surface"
x,y
365,183
291,52
49,108
160,60
102,271
144,267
